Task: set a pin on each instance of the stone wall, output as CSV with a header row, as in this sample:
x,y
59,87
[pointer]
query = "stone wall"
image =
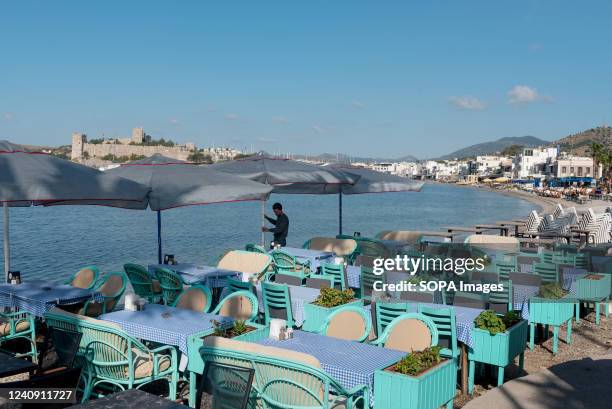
x,y
118,150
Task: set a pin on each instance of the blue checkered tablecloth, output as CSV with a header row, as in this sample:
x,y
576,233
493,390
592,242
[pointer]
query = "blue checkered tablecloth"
x,y
151,325
353,276
299,296
212,277
315,257
342,360
522,294
570,275
38,296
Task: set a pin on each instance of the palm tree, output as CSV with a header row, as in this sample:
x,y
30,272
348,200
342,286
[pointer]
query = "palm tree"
x,y
597,153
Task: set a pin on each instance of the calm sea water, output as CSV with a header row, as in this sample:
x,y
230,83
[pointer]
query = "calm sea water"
x,y
56,241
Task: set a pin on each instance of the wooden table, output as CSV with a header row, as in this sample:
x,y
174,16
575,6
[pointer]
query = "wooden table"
x,y
583,235
463,229
516,224
503,230
11,365
446,235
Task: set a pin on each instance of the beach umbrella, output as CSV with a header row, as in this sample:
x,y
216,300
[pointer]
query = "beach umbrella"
x,y
174,183
371,181
502,179
35,178
287,176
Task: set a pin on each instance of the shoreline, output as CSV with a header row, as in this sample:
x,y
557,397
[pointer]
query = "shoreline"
x,y
543,204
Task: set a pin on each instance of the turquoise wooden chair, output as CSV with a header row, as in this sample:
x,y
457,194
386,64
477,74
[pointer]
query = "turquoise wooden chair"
x,y
350,323
171,284
336,271
409,332
196,298
234,285
502,301
255,248
285,382
446,324
20,324
548,271
582,260
240,305
112,288
366,282
276,298
285,263
109,356
548,256
503,269
86,278
387,312
143,284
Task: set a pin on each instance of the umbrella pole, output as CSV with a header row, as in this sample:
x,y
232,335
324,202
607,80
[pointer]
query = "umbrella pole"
x,y
340,212
263,223
159,240
7,250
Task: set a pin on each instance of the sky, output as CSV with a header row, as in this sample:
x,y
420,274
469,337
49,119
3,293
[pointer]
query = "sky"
x,y
365,78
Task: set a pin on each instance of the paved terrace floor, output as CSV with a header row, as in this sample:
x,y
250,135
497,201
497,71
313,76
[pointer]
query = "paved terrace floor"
x,y
583,384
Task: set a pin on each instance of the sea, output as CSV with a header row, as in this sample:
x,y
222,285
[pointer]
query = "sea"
x,y
53,242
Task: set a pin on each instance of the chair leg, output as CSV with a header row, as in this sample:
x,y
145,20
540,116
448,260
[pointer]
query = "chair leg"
x,y
577,312
500,375
607,306
192,389
472,366
555,339
597,312
531,335
569,331
172,381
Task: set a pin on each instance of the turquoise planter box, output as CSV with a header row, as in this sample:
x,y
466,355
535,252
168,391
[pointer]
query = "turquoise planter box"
x,y
587,289
499,349
430,390
315,315
551,312
195,342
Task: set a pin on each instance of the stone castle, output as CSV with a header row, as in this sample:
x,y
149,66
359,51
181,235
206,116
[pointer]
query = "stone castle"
x,y
126,147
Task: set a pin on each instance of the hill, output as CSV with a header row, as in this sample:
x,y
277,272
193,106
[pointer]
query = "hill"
x,y
341,157
579,143
488,148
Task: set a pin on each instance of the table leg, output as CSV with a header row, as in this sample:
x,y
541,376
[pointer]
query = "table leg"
x,y
464,369
192,389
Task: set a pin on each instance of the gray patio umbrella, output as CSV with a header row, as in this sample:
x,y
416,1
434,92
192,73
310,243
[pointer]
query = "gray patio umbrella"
x,y
371,181
35,178
287,176
174,183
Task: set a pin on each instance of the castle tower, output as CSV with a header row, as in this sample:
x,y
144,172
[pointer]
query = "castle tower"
x,y
78,145
138,135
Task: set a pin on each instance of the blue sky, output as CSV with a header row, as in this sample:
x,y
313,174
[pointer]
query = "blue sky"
x,y
360,77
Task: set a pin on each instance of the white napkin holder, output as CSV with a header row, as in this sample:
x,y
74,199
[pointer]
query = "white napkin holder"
x,y
131,302
275,327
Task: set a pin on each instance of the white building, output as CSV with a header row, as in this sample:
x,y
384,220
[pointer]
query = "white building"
x,y
572,166
532,162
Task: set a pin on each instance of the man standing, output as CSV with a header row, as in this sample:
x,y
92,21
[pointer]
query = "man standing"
x,y
281,225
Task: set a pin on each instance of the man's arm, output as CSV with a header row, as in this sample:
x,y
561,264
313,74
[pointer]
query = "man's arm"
x,y
281,224
271,220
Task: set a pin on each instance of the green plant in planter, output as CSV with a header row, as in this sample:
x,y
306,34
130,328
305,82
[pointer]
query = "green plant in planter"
x,y
551,291
240,327
495,324
419,361
510,318
332,297
490,321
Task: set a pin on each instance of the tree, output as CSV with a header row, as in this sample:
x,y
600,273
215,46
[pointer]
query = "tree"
x,y
512,150
199,157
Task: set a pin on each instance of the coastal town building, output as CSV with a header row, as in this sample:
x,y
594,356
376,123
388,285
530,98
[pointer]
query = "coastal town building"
x,y
532,162
572,166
